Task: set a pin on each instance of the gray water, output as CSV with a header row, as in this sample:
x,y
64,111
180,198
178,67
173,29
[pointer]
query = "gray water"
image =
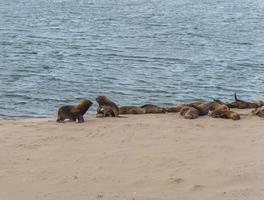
x,y
55,52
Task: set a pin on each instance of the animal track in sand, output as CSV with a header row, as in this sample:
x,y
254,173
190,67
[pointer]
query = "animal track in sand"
x,y
198,187
177,180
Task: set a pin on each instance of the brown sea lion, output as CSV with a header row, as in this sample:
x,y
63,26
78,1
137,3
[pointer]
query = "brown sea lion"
x,y
197,103
106,111
153,109
216,104
202,107
226,114
74,112
259,111
106,108
259,103
240,104
175,108
131,110
189,112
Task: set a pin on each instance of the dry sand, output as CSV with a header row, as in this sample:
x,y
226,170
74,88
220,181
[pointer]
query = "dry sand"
x,y
140,157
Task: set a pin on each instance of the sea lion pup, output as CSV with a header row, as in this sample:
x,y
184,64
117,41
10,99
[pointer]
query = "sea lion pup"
x,y
240,104
106,108
259,111
226,114
153,109
131,110
74,112
189,112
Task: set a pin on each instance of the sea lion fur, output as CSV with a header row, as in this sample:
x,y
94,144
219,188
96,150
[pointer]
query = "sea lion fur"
x,y
259,111
175,108
226,114
241,104
106,108
189,112
74,112
150,108
131,110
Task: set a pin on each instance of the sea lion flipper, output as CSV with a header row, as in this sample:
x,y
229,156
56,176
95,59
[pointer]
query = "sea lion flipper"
x,y
235,95
80,119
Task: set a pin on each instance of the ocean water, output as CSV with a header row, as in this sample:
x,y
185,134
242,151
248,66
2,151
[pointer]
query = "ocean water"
x,y
55,52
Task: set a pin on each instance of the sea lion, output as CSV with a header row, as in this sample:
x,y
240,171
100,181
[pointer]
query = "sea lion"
x,y
106,108
226,114
131,110
106,111
153,108
175,108
197,103
259,111
202,107
74,112
240,104
189,112
259,103
216,104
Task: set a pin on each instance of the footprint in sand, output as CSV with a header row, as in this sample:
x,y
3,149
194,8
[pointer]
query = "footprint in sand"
x,y
176,180
198,187
99,196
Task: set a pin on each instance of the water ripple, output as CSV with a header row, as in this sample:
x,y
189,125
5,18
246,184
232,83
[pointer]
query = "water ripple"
x,y
57,52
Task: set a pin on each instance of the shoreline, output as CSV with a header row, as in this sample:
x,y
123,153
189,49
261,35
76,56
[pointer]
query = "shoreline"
x,y
244,113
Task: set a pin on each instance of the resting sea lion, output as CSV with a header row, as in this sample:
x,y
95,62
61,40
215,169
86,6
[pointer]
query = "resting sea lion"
x,y
74,112
259,103
202,107
240,104
106,108
131,110
197,103
217,105
153,108
175,108
189,112
226,114
259,111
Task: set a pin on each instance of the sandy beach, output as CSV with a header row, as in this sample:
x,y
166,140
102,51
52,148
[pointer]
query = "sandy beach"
x,y
136,157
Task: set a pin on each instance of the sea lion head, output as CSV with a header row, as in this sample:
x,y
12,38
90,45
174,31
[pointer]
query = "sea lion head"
x,y
234,116
259,103
102,100
259,111
85,102
84,105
